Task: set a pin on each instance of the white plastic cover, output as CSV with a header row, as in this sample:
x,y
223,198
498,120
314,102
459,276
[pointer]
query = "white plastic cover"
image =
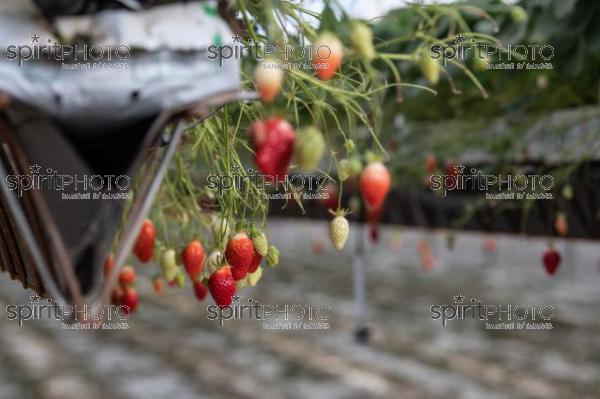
x,y
168,65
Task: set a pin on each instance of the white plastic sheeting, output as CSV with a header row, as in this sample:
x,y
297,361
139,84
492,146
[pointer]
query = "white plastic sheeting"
x,y
167,67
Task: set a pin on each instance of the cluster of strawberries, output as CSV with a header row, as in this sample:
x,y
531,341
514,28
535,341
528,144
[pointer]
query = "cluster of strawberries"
x,y
219,273
275,143
326,58
123,294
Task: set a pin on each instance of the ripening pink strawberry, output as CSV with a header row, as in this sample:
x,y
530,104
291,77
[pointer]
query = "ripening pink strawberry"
x,y
375,182
327,55
268,78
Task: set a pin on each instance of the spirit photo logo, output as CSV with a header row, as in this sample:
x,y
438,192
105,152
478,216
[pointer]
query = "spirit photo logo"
x,y
241,180
87,186
522,186
286,52
496,316
105,317
461,49
274,317
55,51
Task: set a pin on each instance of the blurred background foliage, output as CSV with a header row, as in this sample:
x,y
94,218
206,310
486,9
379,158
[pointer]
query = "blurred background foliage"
x,y
570,26
534,121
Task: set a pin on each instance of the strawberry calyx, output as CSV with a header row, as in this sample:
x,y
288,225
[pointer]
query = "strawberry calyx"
x,y
340,212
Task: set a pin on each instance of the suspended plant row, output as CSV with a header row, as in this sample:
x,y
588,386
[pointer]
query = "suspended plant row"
x,y
321,119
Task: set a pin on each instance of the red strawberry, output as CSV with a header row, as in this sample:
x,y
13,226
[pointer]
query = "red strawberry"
x,y
144,245
109,265
273,141
239,273
172,283
560,224
159,285
200,290
239,253
430,163
327,55
375,182
256,259
127,276
551,260
129,300
116,295
193,259
222,286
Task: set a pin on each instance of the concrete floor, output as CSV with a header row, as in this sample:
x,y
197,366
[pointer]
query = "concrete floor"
x,y
171,349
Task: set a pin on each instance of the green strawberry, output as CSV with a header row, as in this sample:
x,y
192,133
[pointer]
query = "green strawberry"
x,y
430,68
567,192
361,37
355,166
518,14
309,148
348,168
272,256
349,145
344,170
180,278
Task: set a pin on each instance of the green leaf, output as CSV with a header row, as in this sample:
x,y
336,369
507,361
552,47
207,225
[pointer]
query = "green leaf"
x,y
328,19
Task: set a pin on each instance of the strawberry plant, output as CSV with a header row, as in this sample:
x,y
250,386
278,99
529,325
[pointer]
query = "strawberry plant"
x,y
322,114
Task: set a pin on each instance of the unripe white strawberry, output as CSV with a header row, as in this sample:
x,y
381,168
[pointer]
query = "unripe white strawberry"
x,y
214,261
268,77
253,278
361,37
219,228
169,264
339,229
250,280
260,242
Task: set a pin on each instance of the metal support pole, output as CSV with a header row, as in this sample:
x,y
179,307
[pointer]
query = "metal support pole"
x,y
362,332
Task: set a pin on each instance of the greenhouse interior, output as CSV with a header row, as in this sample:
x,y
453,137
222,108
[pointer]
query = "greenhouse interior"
x,y
324,199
